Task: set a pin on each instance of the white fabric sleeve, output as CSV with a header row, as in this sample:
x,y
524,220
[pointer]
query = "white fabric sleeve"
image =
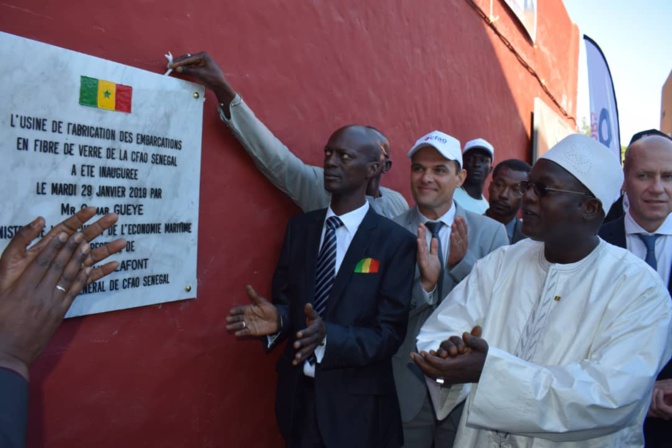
x,y
460,311
578,400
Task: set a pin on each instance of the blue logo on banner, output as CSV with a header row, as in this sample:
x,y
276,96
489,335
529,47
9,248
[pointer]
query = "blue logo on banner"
x,y
604,124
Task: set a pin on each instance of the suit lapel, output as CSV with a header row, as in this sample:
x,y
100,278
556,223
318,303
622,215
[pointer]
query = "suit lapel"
x,y
356,251
614,233
620,239
617,237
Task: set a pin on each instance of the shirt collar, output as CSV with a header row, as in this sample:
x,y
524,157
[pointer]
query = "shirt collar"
x,y
447,218
351,220
631,226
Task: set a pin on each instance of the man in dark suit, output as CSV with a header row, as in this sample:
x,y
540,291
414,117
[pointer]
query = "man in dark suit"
x,y
506,196
344,322
646,230
37,287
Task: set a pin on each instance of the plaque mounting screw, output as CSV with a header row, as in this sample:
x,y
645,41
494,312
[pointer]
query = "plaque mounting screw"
x,y
187,288
196,95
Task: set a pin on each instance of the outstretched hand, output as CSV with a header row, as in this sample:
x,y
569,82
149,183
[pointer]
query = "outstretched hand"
x,y
310,337
15,262
259,318
206,71
464,367
38,284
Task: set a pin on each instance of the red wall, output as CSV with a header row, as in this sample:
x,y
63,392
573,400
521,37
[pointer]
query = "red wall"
x,y
170,375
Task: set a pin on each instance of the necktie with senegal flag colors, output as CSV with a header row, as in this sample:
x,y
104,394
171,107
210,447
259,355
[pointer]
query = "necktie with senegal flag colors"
x,y
105,94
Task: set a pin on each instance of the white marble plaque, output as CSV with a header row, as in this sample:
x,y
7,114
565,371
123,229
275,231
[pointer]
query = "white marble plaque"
x,y
79,130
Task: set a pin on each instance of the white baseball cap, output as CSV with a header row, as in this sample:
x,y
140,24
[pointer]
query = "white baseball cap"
x,y
480,143
448,147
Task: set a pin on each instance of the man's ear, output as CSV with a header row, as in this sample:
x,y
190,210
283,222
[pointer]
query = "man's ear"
x,y
461,177
387,165
592,209
372,170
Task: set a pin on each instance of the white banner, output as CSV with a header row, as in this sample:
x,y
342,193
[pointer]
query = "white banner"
x,y
526,11
548,129
79,130
603,108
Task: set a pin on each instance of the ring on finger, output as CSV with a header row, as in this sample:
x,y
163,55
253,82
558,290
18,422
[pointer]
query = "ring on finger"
x,y
60,288
244,325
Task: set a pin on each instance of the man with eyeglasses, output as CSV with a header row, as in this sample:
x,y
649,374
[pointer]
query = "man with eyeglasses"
x,y
556,340
646,231
478,155
506,196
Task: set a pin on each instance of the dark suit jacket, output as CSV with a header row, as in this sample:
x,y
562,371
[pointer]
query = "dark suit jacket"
x,y
657,432
366,314
13,409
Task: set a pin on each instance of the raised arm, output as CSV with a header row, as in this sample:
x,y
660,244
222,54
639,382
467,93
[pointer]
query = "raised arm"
x,y
304,184
39,283
37,287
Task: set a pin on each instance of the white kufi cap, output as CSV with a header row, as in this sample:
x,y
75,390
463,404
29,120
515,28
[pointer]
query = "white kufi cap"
x,y
592,163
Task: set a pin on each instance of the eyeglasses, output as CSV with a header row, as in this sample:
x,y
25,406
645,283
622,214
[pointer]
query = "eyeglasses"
x,y
542,190
516,189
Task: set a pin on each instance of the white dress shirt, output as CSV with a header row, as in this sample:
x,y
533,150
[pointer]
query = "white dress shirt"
x,y
447,219
444,236
344,236
663,244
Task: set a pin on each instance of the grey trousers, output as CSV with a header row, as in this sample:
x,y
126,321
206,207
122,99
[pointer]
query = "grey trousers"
x,y
425,431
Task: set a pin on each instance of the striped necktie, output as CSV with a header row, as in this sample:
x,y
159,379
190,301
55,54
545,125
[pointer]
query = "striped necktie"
x,y
326,265
435,227
650,243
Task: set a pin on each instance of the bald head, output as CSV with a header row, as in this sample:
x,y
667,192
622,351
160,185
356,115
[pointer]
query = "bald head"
x,y
351,160
648,180
365,140
645,144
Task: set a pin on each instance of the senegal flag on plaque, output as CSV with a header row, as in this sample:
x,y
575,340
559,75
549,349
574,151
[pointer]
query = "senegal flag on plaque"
x,y
105,94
